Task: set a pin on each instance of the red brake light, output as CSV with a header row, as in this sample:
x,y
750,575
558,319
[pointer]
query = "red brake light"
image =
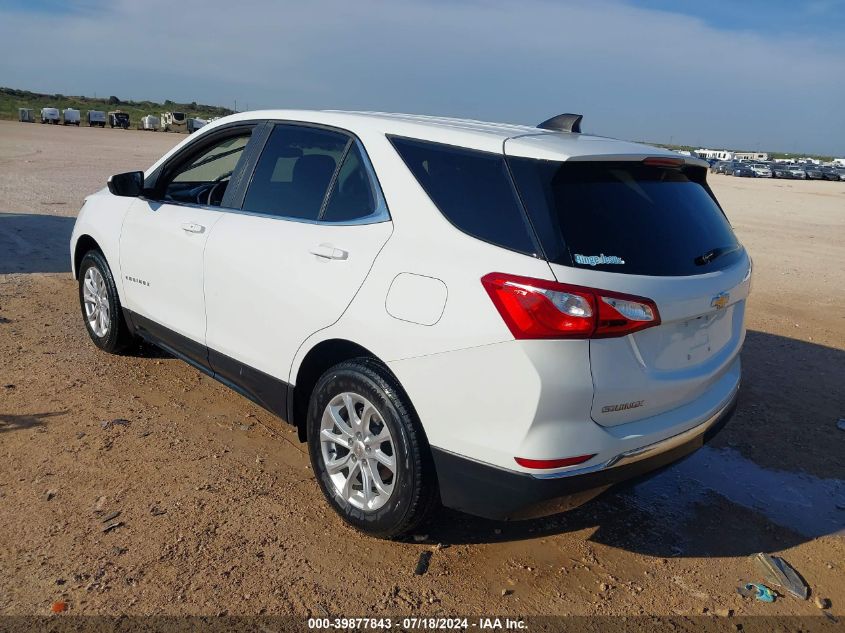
x,y
540,309
663,161
540,464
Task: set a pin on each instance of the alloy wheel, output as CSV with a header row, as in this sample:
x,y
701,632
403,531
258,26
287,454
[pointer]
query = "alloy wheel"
x,y
96,301
358,451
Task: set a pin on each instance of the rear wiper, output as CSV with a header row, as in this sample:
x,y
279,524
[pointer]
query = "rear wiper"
x,y
709,256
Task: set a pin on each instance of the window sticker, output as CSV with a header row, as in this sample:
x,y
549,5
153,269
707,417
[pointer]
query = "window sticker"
x,y
595,260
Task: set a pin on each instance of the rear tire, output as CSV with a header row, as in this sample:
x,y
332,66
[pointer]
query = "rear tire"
x,y
374,465
100,305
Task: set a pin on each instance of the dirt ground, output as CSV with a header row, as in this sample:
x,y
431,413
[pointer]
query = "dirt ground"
x,y
218,509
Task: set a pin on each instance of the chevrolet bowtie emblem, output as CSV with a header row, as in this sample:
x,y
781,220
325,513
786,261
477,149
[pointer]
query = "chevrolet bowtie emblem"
x,y
720,300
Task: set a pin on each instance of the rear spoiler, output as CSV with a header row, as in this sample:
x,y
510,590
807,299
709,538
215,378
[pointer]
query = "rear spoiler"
x,y
655,158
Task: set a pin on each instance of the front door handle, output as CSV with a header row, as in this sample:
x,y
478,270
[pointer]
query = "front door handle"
x,y
193,227
327,251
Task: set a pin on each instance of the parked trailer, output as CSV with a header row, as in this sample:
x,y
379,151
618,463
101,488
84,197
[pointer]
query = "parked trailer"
x,y
96,118
149,122
26,115
70,116
119,118
174,122
195,124
50,115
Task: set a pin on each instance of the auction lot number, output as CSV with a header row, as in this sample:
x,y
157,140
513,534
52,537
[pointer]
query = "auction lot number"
x,y
421,623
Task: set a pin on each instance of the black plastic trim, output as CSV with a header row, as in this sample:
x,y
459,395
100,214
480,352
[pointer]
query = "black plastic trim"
x,y
268,392
263,389
236,192
183,347
496,493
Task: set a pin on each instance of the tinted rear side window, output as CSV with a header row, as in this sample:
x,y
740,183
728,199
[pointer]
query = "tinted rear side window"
x,y
293,175
472,189
351,197
625,217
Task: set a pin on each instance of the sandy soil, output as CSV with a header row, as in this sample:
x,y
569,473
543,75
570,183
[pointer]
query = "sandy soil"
x,y
219,512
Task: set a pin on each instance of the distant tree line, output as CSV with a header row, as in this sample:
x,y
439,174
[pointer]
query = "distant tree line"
x,y
28,96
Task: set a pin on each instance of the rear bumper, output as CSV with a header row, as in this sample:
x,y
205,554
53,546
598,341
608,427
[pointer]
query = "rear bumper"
x,y
496,493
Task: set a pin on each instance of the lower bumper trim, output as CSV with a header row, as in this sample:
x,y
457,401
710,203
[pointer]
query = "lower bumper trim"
x,y
495,493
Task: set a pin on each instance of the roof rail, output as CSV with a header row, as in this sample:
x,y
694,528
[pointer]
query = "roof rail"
x,y
563,123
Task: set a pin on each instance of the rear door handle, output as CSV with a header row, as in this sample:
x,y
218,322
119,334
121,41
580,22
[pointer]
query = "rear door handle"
x,y
193,227
327,251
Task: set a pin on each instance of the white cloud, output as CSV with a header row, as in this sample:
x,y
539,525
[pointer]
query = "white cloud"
x,y
633,72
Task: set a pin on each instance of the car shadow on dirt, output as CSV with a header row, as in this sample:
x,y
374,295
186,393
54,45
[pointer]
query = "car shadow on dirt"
x,y
12,422
32,243
143,349
774,477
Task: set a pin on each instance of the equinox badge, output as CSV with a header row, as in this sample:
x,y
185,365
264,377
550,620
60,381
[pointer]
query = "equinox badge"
x,y
720,300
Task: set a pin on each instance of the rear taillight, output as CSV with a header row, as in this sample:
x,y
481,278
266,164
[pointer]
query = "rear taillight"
x,y
540,309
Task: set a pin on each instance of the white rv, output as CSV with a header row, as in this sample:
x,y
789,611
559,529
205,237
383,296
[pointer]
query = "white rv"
x,y
96,118
752,156
715,154
149,122
195,124
174,121
50,115
26,115
70,116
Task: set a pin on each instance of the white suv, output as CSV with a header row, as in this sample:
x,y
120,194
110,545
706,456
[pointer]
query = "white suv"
x,y
484,315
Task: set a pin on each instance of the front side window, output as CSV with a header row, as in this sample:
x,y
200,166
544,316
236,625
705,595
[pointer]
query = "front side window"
x,y
203,178
295,171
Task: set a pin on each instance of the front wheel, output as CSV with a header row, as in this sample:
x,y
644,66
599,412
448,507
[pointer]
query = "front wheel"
x,y
368,450
100,304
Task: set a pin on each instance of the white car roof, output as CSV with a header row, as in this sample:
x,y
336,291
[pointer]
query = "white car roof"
x,y
522,140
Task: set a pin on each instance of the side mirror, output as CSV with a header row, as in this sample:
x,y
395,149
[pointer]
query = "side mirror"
x,y
130,184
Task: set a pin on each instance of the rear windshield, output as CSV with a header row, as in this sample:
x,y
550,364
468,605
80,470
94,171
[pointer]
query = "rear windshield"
x,y
625,217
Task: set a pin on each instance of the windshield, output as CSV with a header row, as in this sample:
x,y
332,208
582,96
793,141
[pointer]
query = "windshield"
x,y
626,217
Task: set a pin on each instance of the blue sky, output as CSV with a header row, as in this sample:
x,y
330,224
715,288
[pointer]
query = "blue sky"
x,y
752,74
773,17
